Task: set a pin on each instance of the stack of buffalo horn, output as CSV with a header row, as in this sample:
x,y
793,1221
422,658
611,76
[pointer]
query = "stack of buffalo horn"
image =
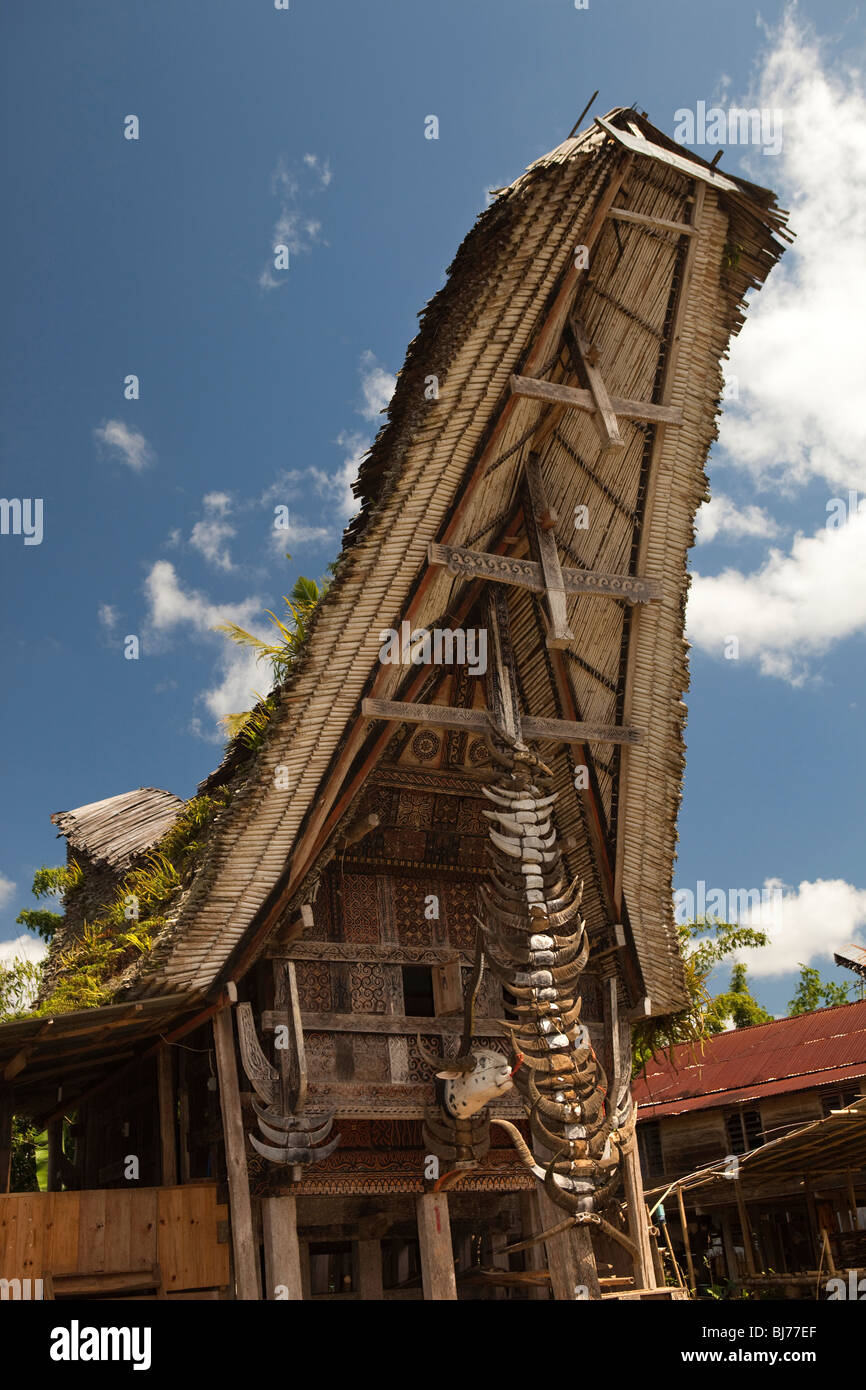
x,y
536,944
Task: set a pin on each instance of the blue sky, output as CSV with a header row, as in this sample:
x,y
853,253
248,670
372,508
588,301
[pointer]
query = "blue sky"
x,y
261,387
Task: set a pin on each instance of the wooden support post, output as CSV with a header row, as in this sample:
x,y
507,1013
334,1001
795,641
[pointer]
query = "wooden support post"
x,y
644,1271
813,1220
693,1283
530,1225
559,633
501,675
658,1267
852,1199
55,1153
731,1262
437,1256
292,1059
243,1244
746,1228
5,1139
498,1241
306,1280
167,1115
604,418
570,1256
282,1251
670,1248
369,1264
183,1113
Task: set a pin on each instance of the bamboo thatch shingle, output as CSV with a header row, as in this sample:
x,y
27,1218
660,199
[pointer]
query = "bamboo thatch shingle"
x,y
115,831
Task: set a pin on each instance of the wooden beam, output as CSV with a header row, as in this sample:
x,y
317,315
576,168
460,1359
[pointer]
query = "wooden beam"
x,y
638,144
383,1024
528,574
641,219
446,717
604,418
580,399
559,633
167,1115
282,1249
243,1242
501,674
437,1255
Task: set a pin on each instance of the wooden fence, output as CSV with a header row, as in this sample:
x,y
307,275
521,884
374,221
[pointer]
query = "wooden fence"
x,y
182,1229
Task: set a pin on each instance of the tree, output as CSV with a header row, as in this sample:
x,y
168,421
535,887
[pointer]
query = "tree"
x,y
737,1003
704,944
19,984
815,993
290,634
55,884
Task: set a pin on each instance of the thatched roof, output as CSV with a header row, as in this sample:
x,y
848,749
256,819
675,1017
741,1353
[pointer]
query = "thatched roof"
x,y
660,307
115,831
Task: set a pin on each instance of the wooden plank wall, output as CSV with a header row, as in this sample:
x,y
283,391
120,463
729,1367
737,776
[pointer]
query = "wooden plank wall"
x,y
104,1231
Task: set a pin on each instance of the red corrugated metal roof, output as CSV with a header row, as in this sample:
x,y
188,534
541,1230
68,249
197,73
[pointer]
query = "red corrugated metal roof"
x,y
789,1054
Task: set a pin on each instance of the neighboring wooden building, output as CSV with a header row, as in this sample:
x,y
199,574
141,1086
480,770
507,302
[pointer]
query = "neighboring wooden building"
x,y
532,493
760,1092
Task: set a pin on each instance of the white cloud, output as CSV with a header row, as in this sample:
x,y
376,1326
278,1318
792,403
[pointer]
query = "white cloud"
x,y
23,947
793,608
338,486
805,924
798,362
108,616
377,386
170,606
294,227
209,535
7,890
321,167
721,517
799,418
298,532
127,445
241,676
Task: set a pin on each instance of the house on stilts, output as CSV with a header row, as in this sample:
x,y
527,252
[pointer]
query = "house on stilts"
x,y
371,1037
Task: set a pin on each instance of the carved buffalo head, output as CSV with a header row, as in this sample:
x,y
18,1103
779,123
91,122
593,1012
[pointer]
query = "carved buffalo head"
x,y
464,1092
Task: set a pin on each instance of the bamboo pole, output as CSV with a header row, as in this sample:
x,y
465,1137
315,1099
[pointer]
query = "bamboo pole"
x,y
693,1283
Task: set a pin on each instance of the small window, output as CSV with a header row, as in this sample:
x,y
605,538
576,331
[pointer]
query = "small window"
x,y
744,1131
838,1100
649,1142
418,991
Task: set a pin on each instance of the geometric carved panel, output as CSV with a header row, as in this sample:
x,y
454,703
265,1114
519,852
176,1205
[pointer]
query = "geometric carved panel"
x,y
367,988
314,985
413,928
371,1056
359,911
459,908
